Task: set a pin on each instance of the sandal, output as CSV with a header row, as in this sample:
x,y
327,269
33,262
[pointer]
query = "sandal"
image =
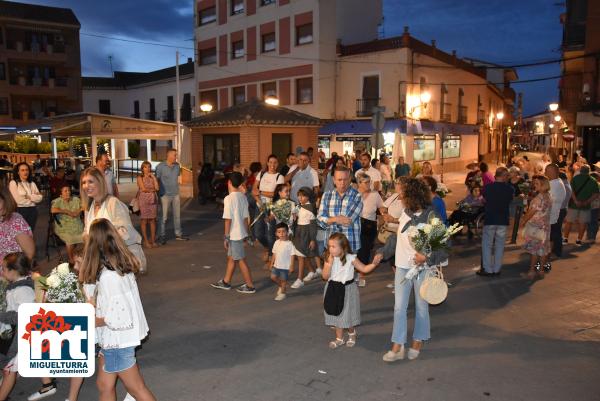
x,y
337,343
351,339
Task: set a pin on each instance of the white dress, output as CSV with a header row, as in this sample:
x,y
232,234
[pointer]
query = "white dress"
x,y
118,302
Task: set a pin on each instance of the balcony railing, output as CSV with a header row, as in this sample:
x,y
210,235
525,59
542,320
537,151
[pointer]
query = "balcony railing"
x,y
38,81
135,115
364,107
446,115
168,115
34,47
480,116
462,115
151,115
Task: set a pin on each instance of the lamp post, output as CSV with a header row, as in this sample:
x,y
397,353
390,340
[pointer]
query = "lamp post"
x,y
500,152
206,107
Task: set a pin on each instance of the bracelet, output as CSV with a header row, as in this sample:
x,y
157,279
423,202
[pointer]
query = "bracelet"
x,y
226,237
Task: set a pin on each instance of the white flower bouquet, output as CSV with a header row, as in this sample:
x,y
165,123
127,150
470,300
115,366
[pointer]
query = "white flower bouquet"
x,y
429,238
282,210
442,190
62,285
5,329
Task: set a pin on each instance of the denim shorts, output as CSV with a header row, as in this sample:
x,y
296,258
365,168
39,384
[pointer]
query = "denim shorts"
x,y
118,359
236,250
283,274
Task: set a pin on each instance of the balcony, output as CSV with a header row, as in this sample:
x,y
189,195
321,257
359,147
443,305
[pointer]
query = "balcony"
x,y
20,51
462,115
151,115
364,107
36,86
445,114
481,117
168,115
573,36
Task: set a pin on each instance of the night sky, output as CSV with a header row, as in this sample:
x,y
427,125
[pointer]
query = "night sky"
x,y
501,31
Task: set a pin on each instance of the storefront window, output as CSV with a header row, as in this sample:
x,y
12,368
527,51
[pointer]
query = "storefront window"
x,y
424,148
451,147
221,150
324,144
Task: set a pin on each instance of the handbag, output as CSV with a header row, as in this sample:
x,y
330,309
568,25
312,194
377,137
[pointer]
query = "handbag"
x,y
333,302
134,205
434,289
384,233
534,232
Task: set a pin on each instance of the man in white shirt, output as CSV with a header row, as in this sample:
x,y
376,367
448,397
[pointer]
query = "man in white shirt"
x,y
302,175
557,194
103,164
365,161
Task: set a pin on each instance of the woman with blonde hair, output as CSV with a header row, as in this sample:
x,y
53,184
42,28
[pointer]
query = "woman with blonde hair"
x,y
98,204
536,227
148,201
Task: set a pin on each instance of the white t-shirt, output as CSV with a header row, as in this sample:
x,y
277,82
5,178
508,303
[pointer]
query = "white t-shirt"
x,y
405,252
557,194
283,251
110,181
395,208
235,208
371,202
342,273
303,178
305,216
386,172
268,182
373,173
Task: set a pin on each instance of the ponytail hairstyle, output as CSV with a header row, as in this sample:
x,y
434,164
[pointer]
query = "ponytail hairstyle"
x,y
105,249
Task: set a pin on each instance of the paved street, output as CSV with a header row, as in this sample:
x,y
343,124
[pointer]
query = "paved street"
x,y
500,338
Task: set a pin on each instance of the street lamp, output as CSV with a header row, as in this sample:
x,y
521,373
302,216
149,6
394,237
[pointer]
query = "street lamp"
x,y
273,101
206,107
553,106
425,98
557,118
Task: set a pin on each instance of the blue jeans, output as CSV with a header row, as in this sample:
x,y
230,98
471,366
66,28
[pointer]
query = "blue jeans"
x,y
592,226
493,236
174,202
422,328
264,232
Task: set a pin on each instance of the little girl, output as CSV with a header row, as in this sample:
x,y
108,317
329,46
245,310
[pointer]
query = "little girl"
x,y
305,236
19,291
120,321
282,191
341,300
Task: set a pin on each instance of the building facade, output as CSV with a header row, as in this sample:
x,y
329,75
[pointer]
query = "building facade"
x,y
40,67
286,49
144,95
580,84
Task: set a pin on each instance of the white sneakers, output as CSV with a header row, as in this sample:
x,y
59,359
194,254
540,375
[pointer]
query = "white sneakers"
x,y
413,354
280,297
310,276
392,356
297,284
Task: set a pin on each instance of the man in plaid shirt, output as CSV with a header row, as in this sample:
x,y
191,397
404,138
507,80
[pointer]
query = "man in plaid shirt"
x,y
340,209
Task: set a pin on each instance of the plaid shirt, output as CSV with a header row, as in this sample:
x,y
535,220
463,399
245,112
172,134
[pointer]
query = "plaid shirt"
x,y
349,205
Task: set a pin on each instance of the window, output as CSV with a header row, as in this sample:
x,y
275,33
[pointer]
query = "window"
x,y
208,56
266,2
151,115
304,34
304,91
207,16
424,148
451,146
221,150
268,42
209,97
136,109
2,72
239,95
237,7
104,106
269,89
237,49
3,105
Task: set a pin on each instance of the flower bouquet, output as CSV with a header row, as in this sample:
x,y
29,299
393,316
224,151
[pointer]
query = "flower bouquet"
x,y
62,285
6,331
442,190
428,238
282,210
524,187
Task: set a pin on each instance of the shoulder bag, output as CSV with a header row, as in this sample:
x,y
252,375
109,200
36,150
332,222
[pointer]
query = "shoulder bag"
x,y
434,289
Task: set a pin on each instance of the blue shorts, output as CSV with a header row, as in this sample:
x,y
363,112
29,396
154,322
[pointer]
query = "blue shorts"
x,y
118,359
283,274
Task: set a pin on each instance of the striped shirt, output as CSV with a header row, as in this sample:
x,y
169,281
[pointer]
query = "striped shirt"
x,y
350,205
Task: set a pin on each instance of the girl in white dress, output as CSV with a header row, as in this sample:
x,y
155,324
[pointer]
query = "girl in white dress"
x,y
120,321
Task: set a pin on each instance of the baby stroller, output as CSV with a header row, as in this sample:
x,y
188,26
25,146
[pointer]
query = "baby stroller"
x,y
469,216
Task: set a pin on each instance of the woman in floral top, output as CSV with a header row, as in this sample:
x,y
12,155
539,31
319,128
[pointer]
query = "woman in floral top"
x,y
15,234
536,223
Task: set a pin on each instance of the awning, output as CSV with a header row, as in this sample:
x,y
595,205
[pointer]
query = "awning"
x,y
588,119
360,127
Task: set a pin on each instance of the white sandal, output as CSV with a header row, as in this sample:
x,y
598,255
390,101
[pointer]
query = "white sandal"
x,y
337,343
351,339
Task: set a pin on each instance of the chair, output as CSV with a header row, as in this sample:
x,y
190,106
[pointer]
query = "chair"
x,y
53,240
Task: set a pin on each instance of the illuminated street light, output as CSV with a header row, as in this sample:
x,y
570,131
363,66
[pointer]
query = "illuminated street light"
x,y
500,115
206,107
553,106
273,101
557,118
425,97
551,126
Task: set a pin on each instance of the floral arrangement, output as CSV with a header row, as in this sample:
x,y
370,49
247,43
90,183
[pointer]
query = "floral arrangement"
x,y
524,187
442,190
282,210
428,238
5,329
62,285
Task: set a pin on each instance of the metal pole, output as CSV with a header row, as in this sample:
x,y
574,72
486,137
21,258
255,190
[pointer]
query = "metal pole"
x,y
177,111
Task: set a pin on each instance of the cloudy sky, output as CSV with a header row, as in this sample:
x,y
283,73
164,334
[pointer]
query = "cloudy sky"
x,y
501,31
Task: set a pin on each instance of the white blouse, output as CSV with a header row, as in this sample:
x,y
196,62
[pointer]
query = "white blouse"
x,y
340,272
405,252
117,213
118,302
305,216
23,189
371,203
